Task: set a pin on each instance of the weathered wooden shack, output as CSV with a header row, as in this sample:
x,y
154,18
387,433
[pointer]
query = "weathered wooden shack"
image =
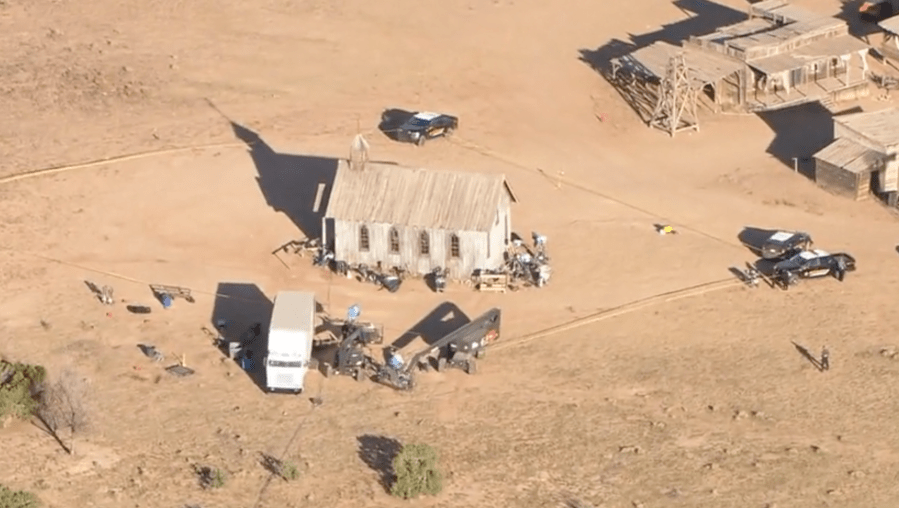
x,y
889,48
846,168
863,156
780,56
717,75
419,219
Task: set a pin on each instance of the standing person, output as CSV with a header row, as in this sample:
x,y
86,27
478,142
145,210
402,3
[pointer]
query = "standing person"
x,y
396,360
841,269
825,358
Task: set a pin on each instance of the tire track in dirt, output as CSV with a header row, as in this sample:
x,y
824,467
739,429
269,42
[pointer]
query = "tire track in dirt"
x,y
633,306
472,146
109,160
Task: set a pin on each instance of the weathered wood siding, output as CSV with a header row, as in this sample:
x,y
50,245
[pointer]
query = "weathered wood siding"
x,y
842,182
888,177
863,186
728,92
852,93
473,249
477,249
500,234
497,240
764,51
890,46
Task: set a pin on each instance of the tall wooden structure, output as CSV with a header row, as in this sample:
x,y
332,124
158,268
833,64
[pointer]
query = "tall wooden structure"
x,y
675,109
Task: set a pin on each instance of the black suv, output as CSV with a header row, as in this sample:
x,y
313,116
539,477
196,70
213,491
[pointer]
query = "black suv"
x,y
812,264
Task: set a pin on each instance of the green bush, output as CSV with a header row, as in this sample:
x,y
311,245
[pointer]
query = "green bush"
x,y
217,479
17,499
211,477
416,472
289,471
20,385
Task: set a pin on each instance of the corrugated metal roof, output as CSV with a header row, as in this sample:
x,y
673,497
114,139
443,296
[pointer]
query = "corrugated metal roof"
x,y
881,126
725,33
788,32
767,6
817,51
390,194
793,13
849,155
783,10
776,23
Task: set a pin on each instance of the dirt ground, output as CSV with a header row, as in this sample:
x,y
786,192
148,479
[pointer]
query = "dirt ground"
x,y
703,401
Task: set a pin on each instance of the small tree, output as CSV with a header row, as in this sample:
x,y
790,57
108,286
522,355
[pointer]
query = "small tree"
x,y
62,406
19,386
17,498
416,472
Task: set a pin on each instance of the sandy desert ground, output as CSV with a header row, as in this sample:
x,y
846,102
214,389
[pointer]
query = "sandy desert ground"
x,y
699,402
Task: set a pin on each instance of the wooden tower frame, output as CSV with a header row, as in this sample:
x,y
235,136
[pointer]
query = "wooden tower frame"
x,y
675,109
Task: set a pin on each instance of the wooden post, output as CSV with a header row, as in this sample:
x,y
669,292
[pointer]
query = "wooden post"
x,y
281,260
795,164
848,67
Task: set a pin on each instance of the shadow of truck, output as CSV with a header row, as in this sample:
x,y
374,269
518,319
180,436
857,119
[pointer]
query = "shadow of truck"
x,y
241,314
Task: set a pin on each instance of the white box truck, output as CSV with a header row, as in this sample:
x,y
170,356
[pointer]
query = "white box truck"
x,y
290,337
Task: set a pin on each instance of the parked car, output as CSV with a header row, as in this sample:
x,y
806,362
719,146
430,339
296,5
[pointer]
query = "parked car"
x,y
425,125
784,244
812,264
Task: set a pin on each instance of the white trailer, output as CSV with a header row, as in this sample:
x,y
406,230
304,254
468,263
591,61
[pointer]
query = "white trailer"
x,y
290,337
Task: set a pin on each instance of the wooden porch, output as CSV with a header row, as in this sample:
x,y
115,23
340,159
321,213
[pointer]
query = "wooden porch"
x,y
826,91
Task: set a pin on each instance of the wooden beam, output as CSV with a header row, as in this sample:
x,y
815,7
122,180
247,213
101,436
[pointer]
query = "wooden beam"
x,y
319,194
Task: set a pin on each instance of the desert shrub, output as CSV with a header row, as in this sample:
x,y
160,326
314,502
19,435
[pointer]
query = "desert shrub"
x,y
289,471
62,406
20,385
416,472
17,498
211,477
217,479
286,469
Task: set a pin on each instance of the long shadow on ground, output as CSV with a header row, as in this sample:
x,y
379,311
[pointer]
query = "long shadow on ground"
x,y
799,133
378,453
241,306
296,185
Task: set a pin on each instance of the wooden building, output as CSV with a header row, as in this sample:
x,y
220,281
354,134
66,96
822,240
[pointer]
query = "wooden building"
x,y
862,159
418,219
889,48
716,75
846,168
780,56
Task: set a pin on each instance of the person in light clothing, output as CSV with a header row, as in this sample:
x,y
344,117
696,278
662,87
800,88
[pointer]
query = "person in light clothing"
x,y
396,360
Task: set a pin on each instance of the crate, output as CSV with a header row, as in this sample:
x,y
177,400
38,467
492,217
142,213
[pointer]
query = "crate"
x,y
493,283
